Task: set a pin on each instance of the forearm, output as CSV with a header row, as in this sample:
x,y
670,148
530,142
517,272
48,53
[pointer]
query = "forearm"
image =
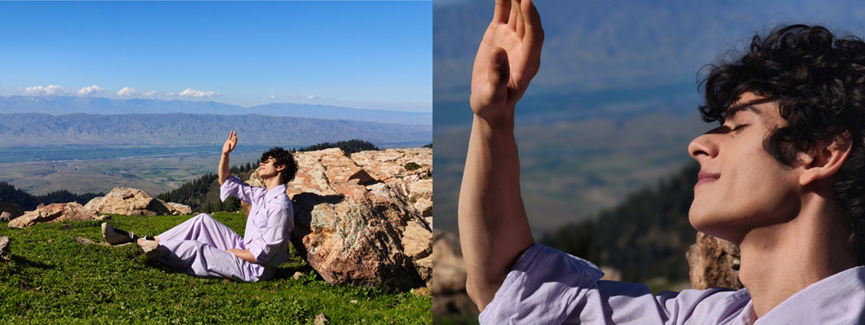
x,y
493,226
242,254
223,169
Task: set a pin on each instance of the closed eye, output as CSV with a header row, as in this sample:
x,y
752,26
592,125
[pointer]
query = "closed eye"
x,y
739,127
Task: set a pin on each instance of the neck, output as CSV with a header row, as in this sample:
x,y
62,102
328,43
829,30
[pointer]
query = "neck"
x,y
782,259
272,182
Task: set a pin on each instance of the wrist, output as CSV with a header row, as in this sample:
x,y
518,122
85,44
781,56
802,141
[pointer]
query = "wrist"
x,y
497,123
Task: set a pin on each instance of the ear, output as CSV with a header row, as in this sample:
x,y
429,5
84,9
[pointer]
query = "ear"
x,y
280,168
826,159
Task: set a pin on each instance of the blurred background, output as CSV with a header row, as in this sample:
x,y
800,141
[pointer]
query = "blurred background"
x,y
603,129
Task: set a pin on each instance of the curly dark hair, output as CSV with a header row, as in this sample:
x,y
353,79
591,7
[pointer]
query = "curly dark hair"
x,y
818,82
283,158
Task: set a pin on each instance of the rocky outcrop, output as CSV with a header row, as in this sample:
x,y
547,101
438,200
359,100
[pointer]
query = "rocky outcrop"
x,y
177,209
5,216
714,263
53,213
360,219
449,278
128,201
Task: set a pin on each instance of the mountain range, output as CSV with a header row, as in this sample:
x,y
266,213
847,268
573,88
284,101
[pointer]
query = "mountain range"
x,y
57,105
617,51
34,129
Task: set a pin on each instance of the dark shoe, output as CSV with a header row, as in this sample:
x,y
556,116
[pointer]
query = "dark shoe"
x,y
115,236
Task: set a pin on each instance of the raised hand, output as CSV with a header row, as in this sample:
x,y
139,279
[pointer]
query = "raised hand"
x,y
508,58
230,143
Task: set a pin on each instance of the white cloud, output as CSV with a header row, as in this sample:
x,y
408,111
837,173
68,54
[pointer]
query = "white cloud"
x,y
150,93
126,91
169,94
312,97
272,97
295,96
189,92
91,90
50,90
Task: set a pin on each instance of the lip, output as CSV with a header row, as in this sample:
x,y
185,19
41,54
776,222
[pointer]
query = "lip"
x,y
706,177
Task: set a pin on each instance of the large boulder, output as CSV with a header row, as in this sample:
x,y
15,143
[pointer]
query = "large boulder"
x,y
128,201
5,216
357,219
53,213
714,263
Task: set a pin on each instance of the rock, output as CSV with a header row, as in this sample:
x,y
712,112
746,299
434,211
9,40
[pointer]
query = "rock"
x,y
449,269
128,201
297,275
4,242
5,216
94,202
355,217
449,277
322,319
53,213
12,209
177,209
714,263
424,292
84,241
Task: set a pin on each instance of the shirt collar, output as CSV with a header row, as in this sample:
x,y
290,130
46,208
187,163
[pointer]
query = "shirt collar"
x,y
274,192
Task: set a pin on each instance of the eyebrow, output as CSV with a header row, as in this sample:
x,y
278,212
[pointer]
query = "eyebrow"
x,y
733,110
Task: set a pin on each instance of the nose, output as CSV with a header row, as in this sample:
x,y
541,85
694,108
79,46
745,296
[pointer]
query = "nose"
x,y
704,146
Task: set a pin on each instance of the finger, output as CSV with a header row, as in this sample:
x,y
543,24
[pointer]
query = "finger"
x,y
498,75
512,18
534,34
503,9
532,23
521,28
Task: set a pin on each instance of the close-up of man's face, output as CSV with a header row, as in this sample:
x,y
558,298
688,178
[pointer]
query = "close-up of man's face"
x,y
741,186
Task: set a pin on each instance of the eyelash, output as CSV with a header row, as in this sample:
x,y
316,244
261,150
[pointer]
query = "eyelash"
x,y
739,127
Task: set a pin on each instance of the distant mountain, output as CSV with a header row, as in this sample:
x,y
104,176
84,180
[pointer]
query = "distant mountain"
x,y
57,105
613,51
31,129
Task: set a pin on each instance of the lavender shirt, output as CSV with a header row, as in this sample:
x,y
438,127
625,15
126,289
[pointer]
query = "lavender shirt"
x,y
547,286
270,221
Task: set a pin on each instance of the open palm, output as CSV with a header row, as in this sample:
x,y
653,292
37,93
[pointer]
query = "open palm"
x,y
230,143
508,58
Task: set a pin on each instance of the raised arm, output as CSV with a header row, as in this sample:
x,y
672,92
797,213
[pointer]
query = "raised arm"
x,y
492,220
223,162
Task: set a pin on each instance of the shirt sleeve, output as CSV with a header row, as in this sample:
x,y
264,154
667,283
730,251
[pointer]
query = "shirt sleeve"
x,y
547,286
233,186
280,222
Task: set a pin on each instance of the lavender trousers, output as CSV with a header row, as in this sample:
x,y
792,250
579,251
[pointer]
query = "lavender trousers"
x,y
197,246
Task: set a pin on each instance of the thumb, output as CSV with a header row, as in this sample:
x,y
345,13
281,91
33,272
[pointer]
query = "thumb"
x,y
499,75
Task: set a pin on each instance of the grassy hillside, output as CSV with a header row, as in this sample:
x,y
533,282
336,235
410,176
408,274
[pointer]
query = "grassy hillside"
x,y
53,278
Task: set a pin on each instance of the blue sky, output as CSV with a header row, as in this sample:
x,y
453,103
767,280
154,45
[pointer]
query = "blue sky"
x,y
375,55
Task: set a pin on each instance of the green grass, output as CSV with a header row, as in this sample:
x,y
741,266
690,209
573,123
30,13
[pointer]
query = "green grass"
x,y
54,279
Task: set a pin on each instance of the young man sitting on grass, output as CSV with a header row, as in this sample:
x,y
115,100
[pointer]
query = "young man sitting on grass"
x,y
782,177
203,247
